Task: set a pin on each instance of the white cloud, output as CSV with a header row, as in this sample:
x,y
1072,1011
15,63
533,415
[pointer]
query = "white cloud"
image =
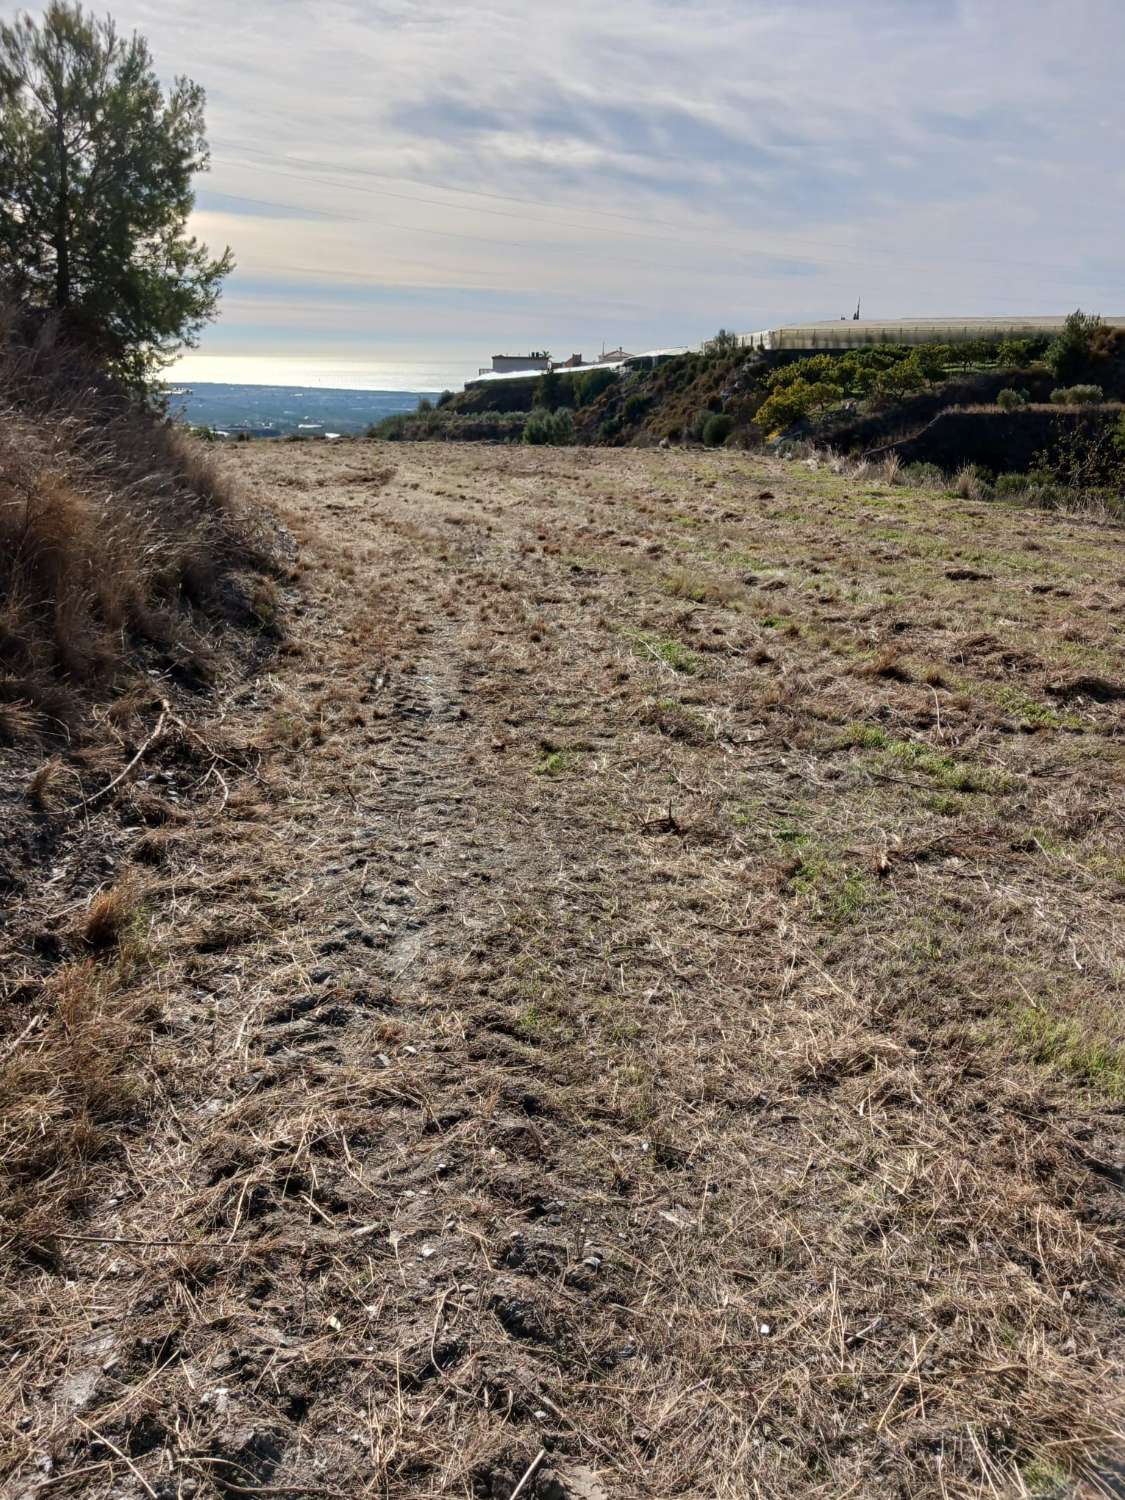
x,y
685,165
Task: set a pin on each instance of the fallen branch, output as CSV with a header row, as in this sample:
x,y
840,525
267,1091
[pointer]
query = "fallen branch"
x,y
165,710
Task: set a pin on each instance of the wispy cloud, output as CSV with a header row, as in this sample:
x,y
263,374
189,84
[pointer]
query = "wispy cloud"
x,y
645,171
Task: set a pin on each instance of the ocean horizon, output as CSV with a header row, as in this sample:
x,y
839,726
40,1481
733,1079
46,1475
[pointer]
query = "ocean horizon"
x,y
285,410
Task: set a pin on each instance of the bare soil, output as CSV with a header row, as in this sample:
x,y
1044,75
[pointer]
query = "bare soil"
x,y
636,975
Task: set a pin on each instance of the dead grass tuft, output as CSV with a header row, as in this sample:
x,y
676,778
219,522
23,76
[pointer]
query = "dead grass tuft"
x,y
114,530
110,916
43,782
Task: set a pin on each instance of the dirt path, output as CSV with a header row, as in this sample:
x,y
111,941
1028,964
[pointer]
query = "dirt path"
x,y
655,998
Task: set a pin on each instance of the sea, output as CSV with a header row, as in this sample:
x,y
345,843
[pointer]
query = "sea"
x,y
285,410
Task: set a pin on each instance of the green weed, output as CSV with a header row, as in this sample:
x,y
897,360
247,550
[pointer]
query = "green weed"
x,y
1072,1048
672,653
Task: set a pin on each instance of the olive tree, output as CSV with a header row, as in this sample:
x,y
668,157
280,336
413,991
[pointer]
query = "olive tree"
x,y
96,168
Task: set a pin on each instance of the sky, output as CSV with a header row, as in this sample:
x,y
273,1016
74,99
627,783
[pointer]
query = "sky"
x,y
410,188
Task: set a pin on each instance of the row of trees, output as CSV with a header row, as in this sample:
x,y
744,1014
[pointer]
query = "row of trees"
x,y
96,169
809,387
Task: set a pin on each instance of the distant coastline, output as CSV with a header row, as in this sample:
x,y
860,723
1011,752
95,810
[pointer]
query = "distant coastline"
x,y
232,410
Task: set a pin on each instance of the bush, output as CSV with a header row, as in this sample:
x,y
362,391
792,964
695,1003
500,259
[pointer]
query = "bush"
x,y
1009,486
1077,395
1071,352
588,387
972,483
1009,399
635,407
725,342
552,391
798,399
923,476
717,429
1019,353
549,428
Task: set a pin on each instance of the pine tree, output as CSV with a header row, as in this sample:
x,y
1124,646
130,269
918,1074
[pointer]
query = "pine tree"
x,y
96,167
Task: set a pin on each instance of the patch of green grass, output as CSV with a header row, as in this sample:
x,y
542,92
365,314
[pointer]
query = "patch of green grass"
x,y
555,763
1073,1049
944,804
838,895
1044,1480
950,774
672,653
540,1023
1031,714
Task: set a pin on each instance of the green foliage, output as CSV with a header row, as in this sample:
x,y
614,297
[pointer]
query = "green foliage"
x,y
96,166
1078,395
552,391
717,429
886,372
794,401
1010,486
1019,353
899,380
923,475
635,407
724,343
589,387
418,426
1009,399
445,398
1073,350
549,428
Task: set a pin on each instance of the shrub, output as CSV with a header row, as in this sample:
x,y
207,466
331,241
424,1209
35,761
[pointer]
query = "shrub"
x,y
923,476
547,428
717,429
1077,395
635,408
588,387
972,483
1009,486
1019,353
794,401
1071,352
725,342
1009,399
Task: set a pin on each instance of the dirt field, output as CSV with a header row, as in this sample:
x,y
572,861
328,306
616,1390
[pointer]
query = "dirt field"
x,y
640,979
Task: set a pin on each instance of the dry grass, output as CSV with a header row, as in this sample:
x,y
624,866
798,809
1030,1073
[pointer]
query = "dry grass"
x,y
732,1113
110,915
113,530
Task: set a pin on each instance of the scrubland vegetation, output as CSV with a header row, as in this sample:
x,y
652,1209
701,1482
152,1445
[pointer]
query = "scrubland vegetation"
x,y
864,402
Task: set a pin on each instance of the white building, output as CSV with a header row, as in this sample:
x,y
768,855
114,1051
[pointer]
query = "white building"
x,y
511,364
